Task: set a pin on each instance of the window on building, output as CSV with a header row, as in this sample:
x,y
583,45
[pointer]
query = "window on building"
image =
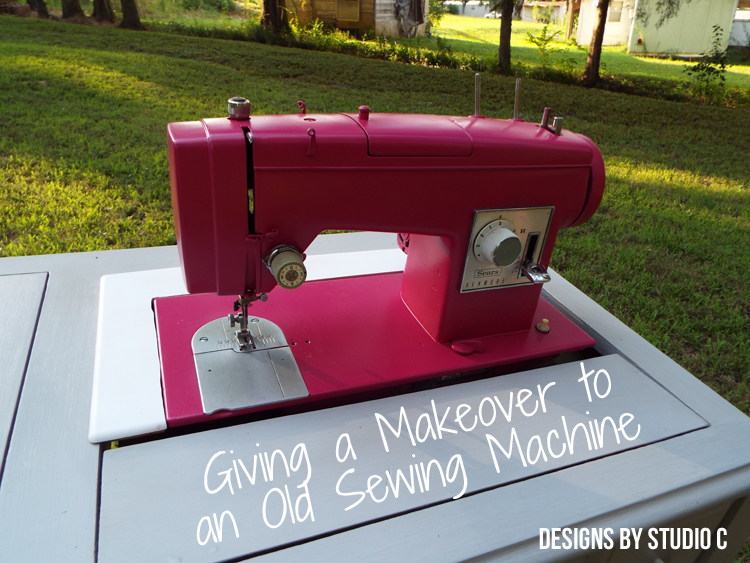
x,y
615,11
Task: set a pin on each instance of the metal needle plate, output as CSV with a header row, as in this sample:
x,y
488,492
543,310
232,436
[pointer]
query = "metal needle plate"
x,y
232,380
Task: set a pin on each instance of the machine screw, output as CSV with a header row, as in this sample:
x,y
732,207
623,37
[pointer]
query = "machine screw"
x,y
543,326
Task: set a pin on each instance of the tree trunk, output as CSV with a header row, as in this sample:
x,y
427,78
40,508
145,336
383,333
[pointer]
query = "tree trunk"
x,y
103,11
71,9
518,10
274,15
130,17
506,13
40,7
574,6
591,74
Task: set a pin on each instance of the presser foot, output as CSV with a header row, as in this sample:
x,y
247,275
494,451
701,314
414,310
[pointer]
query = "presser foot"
x,y
245,368
243,338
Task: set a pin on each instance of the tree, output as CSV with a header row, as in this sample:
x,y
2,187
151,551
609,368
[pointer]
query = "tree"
x,y
591,73
573,8
437,11
506,13
666,9
130,17
274,15
518,10
103,11
72,9
40,7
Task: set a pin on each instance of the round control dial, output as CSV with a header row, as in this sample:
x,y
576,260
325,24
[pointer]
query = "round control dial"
x,y
498,244
287,267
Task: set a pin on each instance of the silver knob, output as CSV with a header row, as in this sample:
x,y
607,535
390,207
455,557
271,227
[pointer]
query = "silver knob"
x,y
501,246
238,108
287,267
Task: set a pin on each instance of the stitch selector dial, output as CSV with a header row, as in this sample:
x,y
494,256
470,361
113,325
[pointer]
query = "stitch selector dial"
x,y
498,244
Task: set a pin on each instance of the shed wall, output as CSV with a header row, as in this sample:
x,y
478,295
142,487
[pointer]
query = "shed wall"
x,y
690,32
558,13
374,15
615,33
474,8
327,12
740,35
386,22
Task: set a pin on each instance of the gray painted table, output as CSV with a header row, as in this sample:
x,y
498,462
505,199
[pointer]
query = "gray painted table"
x,y
65,499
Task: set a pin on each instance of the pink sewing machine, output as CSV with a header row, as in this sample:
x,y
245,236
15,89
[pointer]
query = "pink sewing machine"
x,y
479,203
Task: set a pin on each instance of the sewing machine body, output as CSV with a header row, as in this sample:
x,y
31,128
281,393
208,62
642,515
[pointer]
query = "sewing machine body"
x,y
422,175
244,188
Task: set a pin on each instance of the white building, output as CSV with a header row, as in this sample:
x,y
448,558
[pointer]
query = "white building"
x,y
617,30
473,9
690,32
479,9
740,34
557,11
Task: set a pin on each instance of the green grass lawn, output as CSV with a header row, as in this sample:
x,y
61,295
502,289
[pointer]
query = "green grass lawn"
x,y
83,165
461,36
470,43
477,36
481,36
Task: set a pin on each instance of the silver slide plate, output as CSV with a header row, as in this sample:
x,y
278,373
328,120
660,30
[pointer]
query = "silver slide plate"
x,y
232,380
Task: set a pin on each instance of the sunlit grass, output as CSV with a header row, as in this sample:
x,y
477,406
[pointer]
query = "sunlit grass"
x,y
481,37
458,42
51,209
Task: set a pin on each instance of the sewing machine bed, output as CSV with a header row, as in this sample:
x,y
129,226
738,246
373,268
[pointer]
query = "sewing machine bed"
x,y
350,335
63,498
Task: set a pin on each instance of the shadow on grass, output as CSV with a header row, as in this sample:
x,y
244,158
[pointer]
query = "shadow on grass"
x,y
469,38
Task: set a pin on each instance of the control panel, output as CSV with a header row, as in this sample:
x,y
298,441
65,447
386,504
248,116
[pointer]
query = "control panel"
x,y
505,248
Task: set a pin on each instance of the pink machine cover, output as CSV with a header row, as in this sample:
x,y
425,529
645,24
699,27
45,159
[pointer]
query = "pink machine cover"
x,y
417,174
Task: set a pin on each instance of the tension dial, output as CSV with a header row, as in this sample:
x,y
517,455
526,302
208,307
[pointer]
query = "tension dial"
x,y
287,267
498,244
